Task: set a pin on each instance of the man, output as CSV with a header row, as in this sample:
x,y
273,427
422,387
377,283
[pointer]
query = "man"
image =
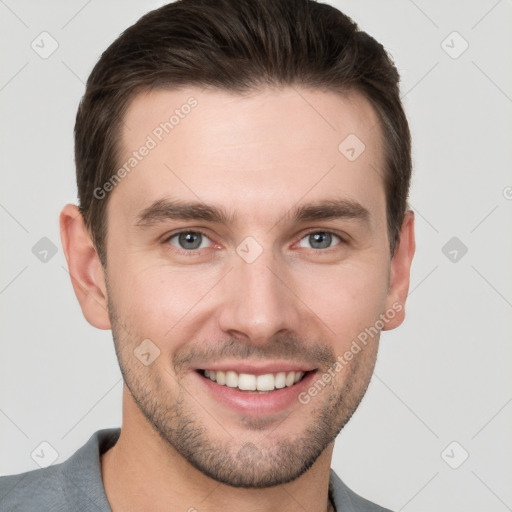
x,y
243,169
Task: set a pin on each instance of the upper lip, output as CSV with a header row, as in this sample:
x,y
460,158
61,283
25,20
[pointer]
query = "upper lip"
x,y
257,368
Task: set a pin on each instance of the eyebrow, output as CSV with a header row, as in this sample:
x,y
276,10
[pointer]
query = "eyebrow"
x,y
327,209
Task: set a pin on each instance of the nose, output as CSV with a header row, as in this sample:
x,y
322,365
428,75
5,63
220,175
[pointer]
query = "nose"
x,y
258,300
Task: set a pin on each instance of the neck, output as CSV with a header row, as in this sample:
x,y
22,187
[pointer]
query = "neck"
x,y
143,472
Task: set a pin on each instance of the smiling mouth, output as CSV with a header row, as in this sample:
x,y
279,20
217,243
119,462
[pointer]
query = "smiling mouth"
x,y
254,383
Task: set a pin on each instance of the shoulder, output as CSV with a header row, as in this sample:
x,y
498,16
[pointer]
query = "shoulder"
x,y
74,484
27,491
347,500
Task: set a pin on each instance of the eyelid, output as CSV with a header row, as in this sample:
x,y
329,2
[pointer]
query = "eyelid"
x,y
342,236
167,239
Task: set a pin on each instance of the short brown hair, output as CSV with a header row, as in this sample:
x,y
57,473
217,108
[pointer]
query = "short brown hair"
x,y
237,45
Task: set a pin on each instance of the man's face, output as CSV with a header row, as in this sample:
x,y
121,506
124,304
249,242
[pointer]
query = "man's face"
x,y
273,288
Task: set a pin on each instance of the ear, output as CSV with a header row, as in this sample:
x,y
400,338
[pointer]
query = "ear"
x,y
85,269
400,272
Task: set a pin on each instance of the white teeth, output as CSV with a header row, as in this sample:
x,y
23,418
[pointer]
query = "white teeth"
x,y
232,379
249,382
290,379
280,380
221,377
265,382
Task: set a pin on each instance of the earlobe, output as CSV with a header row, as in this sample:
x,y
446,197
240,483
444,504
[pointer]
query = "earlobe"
x,y
85,269
400,272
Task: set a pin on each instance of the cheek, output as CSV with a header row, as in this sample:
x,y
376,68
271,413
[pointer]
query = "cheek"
x,y
347,298
159,301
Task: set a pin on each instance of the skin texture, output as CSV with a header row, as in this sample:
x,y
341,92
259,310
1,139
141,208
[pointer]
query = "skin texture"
x,y
258,156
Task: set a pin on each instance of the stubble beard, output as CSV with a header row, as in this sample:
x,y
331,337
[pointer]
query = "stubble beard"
x,y
240,463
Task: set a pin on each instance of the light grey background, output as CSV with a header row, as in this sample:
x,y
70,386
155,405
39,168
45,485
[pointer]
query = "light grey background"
x,y
444,376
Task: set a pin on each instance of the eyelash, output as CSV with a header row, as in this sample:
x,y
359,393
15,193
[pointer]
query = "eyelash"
x,y
193,252
198,252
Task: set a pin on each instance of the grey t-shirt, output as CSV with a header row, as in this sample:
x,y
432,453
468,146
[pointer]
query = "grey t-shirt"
x,y
75,485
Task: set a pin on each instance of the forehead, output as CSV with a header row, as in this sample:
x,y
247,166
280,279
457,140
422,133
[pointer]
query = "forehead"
x,y
254,151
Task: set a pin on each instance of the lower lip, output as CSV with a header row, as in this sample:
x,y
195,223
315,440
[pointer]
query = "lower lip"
x,y
256,403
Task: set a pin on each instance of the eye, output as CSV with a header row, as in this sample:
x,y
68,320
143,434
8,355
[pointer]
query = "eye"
x,y
189,240
319,240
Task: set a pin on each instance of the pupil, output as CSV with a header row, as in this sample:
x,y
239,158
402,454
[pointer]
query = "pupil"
x,y
320,240
190,240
